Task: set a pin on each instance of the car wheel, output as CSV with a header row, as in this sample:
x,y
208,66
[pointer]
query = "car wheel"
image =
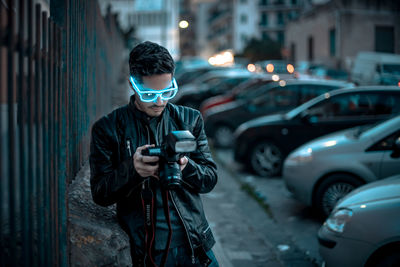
x,y
386,258
266,159
223,136
332,189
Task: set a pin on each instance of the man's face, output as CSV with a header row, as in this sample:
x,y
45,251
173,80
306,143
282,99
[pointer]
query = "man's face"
x,y
155,82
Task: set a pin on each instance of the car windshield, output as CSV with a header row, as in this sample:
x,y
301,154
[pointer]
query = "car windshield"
x,y
294,112
391,68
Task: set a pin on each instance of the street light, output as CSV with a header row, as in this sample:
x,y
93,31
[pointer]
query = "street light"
x,y
183,24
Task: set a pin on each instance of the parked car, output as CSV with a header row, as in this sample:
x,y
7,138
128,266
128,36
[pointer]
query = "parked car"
x,y
190,75
263,143
363,229
324,170
272,97
213,84
236,92
376,68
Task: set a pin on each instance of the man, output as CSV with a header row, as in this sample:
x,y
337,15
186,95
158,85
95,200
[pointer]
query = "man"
x,y
165,226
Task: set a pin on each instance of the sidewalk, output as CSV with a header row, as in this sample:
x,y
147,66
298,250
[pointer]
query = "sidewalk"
x,y
270,195
246,230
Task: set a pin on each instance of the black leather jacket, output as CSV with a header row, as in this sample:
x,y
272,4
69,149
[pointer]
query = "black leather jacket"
x,y
114,140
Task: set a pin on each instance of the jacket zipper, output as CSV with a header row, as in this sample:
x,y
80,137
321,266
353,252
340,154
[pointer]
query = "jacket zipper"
x,y
184,226
128,146
173,202
172,199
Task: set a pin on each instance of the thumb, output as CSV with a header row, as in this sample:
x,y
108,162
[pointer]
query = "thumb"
x,y
183,160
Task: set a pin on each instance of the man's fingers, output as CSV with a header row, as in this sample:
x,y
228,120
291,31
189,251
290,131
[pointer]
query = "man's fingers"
x,y
149,159
140,148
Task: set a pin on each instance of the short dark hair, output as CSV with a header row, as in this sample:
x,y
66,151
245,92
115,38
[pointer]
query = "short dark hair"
x,y
148,59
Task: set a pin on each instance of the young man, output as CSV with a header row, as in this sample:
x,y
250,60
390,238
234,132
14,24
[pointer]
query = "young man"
x,y
166,226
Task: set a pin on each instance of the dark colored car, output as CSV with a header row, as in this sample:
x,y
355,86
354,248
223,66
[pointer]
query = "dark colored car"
x,y
220,83
262,144
268,98
236,92
189,75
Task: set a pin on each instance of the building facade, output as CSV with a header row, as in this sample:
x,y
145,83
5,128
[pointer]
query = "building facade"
x,y
155,20
230,24
333,33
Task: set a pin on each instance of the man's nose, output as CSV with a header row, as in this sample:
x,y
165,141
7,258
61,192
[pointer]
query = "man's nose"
x,y
159,101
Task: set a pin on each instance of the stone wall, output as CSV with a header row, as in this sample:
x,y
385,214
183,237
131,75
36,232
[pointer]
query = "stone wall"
x,y
95,237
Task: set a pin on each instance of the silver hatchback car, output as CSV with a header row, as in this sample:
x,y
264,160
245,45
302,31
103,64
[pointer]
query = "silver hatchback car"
x,y
322,171
364,228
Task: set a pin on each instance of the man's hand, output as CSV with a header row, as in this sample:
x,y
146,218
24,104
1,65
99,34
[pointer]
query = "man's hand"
x,y
183,162
145,165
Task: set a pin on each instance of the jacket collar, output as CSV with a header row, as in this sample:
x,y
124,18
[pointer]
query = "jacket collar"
x,y
141,115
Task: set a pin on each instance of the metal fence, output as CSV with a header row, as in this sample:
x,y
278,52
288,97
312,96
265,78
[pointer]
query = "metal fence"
x,y
57,74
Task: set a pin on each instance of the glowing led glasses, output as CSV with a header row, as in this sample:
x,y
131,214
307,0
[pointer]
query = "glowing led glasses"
x,y
151,95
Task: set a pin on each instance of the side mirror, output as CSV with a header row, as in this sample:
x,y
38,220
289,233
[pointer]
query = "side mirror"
x,y
309,119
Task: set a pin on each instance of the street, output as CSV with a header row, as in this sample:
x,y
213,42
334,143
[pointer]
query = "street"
x,y
256,222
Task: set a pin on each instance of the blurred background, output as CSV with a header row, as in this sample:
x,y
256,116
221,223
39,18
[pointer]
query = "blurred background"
x,y
272,79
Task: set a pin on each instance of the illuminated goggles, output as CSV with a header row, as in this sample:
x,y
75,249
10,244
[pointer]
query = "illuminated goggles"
x,y
151,95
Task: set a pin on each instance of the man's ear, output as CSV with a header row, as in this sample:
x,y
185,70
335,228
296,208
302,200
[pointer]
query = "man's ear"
x,y
129,82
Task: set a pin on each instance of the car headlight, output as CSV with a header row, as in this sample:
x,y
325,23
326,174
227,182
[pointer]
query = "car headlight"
x,y
338,219
301,156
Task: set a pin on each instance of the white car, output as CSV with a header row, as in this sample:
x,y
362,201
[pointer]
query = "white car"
x,y
364,228
322,171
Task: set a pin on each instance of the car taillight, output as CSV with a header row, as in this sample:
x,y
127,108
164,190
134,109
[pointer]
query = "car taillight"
x,y
398,84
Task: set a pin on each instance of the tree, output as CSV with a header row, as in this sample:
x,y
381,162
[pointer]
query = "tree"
x,y
264,49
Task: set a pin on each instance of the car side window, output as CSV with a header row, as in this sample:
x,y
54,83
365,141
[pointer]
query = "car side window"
x,y
351,105
386,143
278,97
387,104
308,92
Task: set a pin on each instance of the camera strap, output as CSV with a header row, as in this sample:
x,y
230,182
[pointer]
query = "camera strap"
x,y
148,213
165,194
148,210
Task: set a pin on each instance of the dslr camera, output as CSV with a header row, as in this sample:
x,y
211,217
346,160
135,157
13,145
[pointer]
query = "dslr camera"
x,y
176,145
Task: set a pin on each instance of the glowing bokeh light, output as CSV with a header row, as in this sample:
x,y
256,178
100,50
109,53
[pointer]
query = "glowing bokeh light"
x,y
183,24
251,67
270,67
275,77
290,68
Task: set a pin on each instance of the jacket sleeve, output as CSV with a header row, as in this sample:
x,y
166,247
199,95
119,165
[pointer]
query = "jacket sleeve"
x,y
201,171
109,180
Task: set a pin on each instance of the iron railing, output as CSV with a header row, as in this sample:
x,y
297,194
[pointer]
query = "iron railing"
x,y
57,74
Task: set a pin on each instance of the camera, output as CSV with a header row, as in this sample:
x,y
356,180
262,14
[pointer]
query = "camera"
x,y
176,145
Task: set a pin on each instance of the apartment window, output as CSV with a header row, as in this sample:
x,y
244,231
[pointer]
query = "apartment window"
x,y
243,37
280,20
281,37
293,52
384,39
263,2
294,2
265,36
310,42
264,19
243,18
332,42
243,1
